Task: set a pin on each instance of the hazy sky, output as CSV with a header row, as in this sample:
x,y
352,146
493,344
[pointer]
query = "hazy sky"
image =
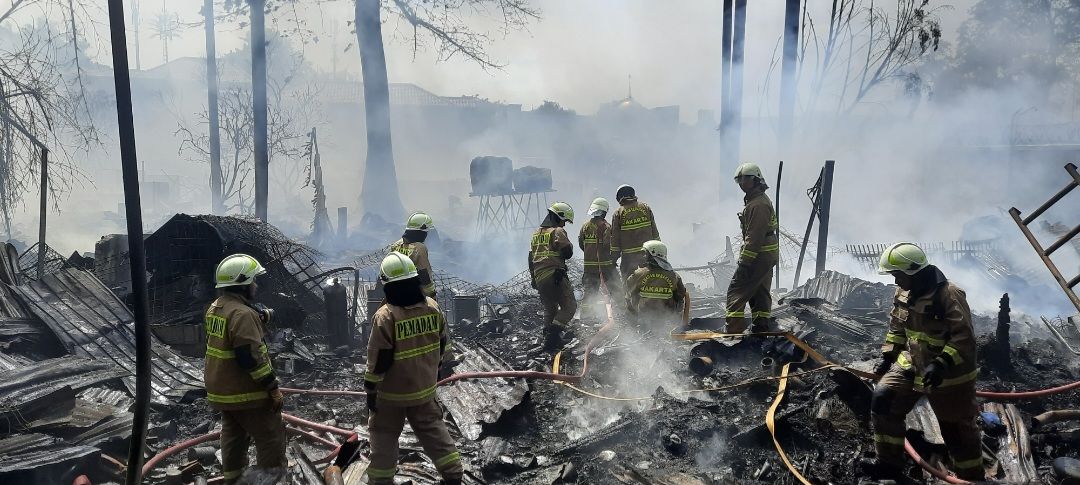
x,y
580,53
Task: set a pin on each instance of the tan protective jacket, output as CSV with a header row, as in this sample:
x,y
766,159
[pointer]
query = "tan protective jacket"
x,y
595,243
935,326
632,225
238,373
549,250
418,253
759,230
406,348
653,289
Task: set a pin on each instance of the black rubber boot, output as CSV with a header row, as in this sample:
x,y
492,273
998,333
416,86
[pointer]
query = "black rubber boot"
x,y
873,471
553,340
450,481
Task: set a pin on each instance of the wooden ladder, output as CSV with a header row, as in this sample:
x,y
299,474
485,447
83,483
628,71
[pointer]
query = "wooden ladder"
x,y
1045,253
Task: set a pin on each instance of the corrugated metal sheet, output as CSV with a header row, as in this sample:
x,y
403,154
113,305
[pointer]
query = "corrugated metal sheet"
x,y
846,292
474,403
27,452
90,321
32,392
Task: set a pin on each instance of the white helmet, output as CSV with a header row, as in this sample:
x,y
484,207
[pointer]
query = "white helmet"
x,y
658,252
749,170
598,206
237,270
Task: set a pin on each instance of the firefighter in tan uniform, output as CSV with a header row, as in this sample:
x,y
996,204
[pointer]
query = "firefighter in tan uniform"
x,y
239,378
408,353
595,243
632,224
929,351
655,294
549,249
412,245
759,255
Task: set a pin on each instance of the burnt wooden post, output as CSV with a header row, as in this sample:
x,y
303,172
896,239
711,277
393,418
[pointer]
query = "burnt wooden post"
x,y
1002,335
43,210
824,205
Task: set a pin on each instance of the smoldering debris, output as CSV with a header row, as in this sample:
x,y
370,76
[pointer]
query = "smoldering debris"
x,y
639,414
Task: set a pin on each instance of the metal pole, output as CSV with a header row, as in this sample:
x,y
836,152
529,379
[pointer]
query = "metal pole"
x,y
725,65
779,174
824,204
136,252
737,49
814,194
258,103
217,203
43,211
787,75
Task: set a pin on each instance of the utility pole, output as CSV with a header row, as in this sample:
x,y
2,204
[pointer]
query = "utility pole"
x,y
725,66
788,87
217,202
258,103
738,32
135,25
824,205
136,251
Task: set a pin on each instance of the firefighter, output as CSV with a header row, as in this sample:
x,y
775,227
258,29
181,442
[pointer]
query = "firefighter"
x,y
595,243
240,380
760,253
632,224
412,245
929,351
408,353
655,294
549,250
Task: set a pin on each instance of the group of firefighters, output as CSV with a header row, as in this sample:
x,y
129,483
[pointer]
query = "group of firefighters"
x,y
929,349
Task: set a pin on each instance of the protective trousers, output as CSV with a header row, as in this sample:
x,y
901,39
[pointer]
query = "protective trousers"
x,y
954,407
592,303
750,284
629,263
557,296
239,428
426,420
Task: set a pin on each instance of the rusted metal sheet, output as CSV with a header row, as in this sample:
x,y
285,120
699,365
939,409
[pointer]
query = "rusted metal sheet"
x,y
474,403
90,321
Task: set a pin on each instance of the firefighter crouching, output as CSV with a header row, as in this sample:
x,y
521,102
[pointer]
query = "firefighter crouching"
x,y
929,351
599,265
549,249
239,378
408,353
759,255
655,294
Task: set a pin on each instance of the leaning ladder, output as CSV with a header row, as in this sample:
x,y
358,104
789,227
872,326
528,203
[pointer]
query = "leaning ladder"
x,y
1045,253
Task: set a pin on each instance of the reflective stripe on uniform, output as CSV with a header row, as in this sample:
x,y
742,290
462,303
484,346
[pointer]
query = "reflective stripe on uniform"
x,y
545,254
392,396
955,354
894,338
373,377
736,314
920,336
748,254
261,372
448,459
768,248
655,296
410,353
219,353
598,263
231,474
952,381
903,361
237,398
892,440
633,250
761,315
638,225
543,274
972,463
381,472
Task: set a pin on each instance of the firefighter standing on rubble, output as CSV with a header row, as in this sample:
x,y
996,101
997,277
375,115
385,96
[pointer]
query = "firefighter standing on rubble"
x,y
760,253
655,294
408,353
412,245
632,224
595,243
239,377
549,249
929,351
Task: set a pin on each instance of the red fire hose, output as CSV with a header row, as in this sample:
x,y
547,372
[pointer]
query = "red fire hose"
x,y
174,449
930,468
1028,394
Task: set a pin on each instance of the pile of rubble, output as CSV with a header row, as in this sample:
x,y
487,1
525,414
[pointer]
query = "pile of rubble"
x,y
647,410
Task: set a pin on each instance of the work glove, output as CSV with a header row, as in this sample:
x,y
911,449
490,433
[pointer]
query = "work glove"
x,y
934,375
372,397
886,363
277,400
